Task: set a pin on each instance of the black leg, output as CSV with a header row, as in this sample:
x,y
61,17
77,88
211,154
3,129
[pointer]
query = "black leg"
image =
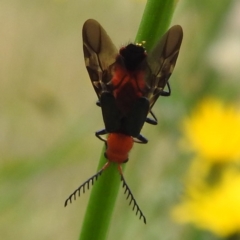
x,y
101,132
168,93
140,139
153,120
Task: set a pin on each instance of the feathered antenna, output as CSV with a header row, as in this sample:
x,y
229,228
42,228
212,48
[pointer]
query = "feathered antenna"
x,y
87,183
94,178
132,199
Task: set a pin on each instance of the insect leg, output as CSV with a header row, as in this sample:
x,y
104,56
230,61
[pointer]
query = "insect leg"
x,y
168,93
101,132
153,120
141,139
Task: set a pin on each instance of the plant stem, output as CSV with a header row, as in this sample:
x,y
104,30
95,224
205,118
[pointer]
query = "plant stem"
x,y
101,203
155,21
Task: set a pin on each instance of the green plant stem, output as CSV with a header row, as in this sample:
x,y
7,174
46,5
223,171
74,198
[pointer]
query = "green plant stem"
x,y
155,21
101,203
98,215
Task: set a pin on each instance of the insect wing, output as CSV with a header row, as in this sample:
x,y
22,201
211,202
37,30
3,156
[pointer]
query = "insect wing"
x,y
110,112
134,121
162,60
100,55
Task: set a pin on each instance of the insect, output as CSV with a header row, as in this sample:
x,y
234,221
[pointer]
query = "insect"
x,y
127,82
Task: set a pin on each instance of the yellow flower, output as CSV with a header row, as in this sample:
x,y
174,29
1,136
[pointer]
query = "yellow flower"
x,y
213,131
214,208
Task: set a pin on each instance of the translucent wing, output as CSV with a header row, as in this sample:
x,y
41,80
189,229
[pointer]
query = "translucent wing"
x,y
162,60
99,53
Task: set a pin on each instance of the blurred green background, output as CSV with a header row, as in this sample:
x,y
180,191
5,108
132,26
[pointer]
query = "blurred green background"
x,y
48,115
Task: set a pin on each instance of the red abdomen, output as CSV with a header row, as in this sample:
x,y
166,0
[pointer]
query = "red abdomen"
x,y
118,147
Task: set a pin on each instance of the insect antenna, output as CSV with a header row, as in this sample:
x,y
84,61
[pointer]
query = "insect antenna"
x,y
87,183
132,200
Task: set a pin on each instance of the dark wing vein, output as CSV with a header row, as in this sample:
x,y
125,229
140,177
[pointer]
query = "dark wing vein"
x,y
99,53
162,60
